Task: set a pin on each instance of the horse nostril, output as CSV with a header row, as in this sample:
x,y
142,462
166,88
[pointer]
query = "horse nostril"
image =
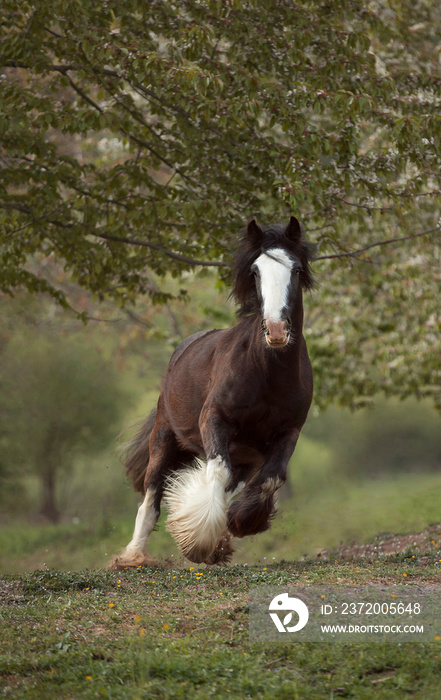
x,y
276,332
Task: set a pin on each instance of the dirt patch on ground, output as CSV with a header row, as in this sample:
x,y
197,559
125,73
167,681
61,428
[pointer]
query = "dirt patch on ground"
x,y
427,542
11,593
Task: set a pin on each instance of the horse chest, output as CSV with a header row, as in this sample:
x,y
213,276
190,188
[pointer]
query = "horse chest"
x,y
261,423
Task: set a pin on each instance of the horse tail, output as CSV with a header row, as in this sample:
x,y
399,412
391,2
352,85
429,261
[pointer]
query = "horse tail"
x,y
138,453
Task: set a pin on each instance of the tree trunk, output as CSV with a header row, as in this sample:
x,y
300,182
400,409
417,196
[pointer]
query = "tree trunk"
x,y
48,508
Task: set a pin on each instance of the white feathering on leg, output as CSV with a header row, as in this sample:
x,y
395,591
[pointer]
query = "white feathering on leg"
x,y
197,505
134,554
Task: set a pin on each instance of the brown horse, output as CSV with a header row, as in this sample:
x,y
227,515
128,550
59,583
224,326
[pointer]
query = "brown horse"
x,y
235,398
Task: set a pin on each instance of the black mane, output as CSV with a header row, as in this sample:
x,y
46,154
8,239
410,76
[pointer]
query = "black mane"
x,y
250,247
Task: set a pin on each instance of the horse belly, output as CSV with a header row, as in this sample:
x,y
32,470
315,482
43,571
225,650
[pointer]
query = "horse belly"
x,y
183,411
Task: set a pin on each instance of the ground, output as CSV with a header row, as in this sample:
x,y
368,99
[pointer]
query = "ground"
x,y
388,544
183,633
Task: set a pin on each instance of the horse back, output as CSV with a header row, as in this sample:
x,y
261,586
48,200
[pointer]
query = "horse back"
x,y
182,347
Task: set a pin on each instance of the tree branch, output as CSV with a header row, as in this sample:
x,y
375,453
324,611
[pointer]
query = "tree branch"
x,y
206,263
34,221
354,253
362,206
155,246
131,136
84,96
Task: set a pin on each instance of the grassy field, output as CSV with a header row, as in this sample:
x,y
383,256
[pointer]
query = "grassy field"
x,y
174,633
309,521
72,629
181,631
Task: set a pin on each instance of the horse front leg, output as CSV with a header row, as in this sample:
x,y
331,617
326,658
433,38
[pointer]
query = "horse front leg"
x,y
253,511
197,498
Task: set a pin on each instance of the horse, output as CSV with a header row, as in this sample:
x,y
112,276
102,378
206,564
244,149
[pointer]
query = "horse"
x,y
233,402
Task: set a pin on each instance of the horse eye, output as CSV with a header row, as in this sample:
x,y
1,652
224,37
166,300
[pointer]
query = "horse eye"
x,y
299,270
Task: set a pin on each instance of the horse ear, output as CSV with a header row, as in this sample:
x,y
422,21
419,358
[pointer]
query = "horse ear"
x,y
293,231
254,233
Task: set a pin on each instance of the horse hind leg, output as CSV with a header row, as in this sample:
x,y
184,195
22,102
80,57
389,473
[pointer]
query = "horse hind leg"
x,y
254,510
163,456
134,555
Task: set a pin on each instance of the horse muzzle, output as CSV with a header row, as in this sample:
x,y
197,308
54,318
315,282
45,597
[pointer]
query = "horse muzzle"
x,y
276,333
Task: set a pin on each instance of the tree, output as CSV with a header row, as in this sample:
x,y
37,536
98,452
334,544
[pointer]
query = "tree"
x,y
139,137
58,398
393,439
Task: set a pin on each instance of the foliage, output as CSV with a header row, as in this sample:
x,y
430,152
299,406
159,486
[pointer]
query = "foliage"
x,y
394,438
139,137
58,399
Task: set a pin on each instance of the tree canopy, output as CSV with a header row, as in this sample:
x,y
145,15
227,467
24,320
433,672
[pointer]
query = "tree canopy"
x,y
139,137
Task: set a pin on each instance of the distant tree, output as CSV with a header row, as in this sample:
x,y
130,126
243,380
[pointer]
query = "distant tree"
x,y
58,398
138,137
394,437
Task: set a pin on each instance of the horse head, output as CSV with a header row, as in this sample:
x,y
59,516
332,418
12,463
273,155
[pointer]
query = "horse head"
x,y
272,268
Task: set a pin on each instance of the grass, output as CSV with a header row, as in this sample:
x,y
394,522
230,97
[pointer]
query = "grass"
x,y
173,633
71,629
308,522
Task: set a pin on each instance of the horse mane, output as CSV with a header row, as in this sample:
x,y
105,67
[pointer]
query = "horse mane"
x,y
250,247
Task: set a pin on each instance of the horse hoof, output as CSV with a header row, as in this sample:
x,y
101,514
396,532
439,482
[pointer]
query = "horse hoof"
x,y
222,553
197,554
131,560
251,514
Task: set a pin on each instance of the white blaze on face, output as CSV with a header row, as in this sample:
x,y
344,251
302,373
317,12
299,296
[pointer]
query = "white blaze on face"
x,y
275,275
